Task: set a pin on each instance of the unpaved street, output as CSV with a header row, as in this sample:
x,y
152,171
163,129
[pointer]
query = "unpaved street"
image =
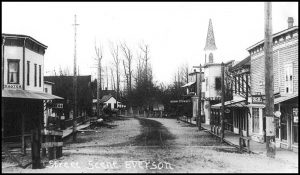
x,y
154,145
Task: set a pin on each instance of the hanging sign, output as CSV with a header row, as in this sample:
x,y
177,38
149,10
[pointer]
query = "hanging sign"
x,y
277,114
227,111
270,128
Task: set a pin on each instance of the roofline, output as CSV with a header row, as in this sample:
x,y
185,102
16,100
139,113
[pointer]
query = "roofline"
x,y
274,35
6,35
48,82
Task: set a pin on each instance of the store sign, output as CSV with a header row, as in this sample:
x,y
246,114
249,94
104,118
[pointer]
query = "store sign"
x,y
258,99
13,86
57,105
180,101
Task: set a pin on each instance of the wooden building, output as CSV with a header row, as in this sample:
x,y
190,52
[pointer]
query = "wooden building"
x,y
285,67
23,99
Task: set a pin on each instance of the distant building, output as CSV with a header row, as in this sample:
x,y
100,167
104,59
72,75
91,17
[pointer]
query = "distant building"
x,y
64,88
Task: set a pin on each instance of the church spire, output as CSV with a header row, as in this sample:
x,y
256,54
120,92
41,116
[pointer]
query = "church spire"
x,y
210,39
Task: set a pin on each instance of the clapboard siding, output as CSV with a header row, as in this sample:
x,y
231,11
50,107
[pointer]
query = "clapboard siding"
x,y
283,53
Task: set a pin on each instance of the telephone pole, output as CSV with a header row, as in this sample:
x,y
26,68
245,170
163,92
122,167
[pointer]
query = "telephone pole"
x,y
199,101
269,86
75,84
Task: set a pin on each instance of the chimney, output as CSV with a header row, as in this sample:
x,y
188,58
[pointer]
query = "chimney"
x,y
290,22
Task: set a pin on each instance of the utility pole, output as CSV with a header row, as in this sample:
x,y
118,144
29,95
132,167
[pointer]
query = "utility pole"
x,y
269,86
199,102
222,101
75,84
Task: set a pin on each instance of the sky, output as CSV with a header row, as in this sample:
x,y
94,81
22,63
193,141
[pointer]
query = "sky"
x,y
175,31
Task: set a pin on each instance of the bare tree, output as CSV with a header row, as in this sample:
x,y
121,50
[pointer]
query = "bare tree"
x,y
145,50
113,84
99,55
127,65
114,49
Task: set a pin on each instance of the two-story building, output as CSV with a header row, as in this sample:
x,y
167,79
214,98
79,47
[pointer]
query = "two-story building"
x,y
23,98
285,68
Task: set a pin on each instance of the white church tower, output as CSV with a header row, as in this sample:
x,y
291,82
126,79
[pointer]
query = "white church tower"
x,y
210,46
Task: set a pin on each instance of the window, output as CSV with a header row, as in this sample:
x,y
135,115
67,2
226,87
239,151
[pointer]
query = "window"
x,y
288,83
28,73
295,125
46,90
40,75
283,126
115,105
218,83
255,115
35,80
13,71
109,105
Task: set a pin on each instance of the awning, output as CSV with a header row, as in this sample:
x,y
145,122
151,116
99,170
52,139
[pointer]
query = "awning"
x,y
231,103
284,98
188,84
18,93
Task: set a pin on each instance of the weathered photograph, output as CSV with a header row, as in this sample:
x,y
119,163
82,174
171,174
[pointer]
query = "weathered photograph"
x,y
149,87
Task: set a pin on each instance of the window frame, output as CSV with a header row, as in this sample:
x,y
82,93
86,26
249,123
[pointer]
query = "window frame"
x,y
28,73
35,75
40,75
18,70
255,117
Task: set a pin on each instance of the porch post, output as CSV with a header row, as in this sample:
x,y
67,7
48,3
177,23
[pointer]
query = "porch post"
x,y
23,149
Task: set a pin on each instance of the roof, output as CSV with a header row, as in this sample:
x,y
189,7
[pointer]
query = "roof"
x,y
189,84
274,35
244,62
210,38
6,35
18,93
231,103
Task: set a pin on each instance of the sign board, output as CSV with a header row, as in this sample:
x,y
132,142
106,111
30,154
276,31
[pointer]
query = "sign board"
x,y
180,101
13,86
270,128
258,99
57,105
277,114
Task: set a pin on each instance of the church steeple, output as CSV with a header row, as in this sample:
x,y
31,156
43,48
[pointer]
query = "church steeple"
x,y
210,39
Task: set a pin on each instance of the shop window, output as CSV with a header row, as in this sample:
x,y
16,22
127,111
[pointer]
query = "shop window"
x,y
255,115
13,71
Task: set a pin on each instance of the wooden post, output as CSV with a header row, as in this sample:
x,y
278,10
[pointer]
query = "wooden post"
x,y
269,86
22,135
35,145
222,101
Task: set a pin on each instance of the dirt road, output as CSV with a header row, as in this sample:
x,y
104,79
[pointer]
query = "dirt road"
x,y
138,145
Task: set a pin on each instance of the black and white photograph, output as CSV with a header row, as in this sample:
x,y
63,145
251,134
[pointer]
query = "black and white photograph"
x,y
149,87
